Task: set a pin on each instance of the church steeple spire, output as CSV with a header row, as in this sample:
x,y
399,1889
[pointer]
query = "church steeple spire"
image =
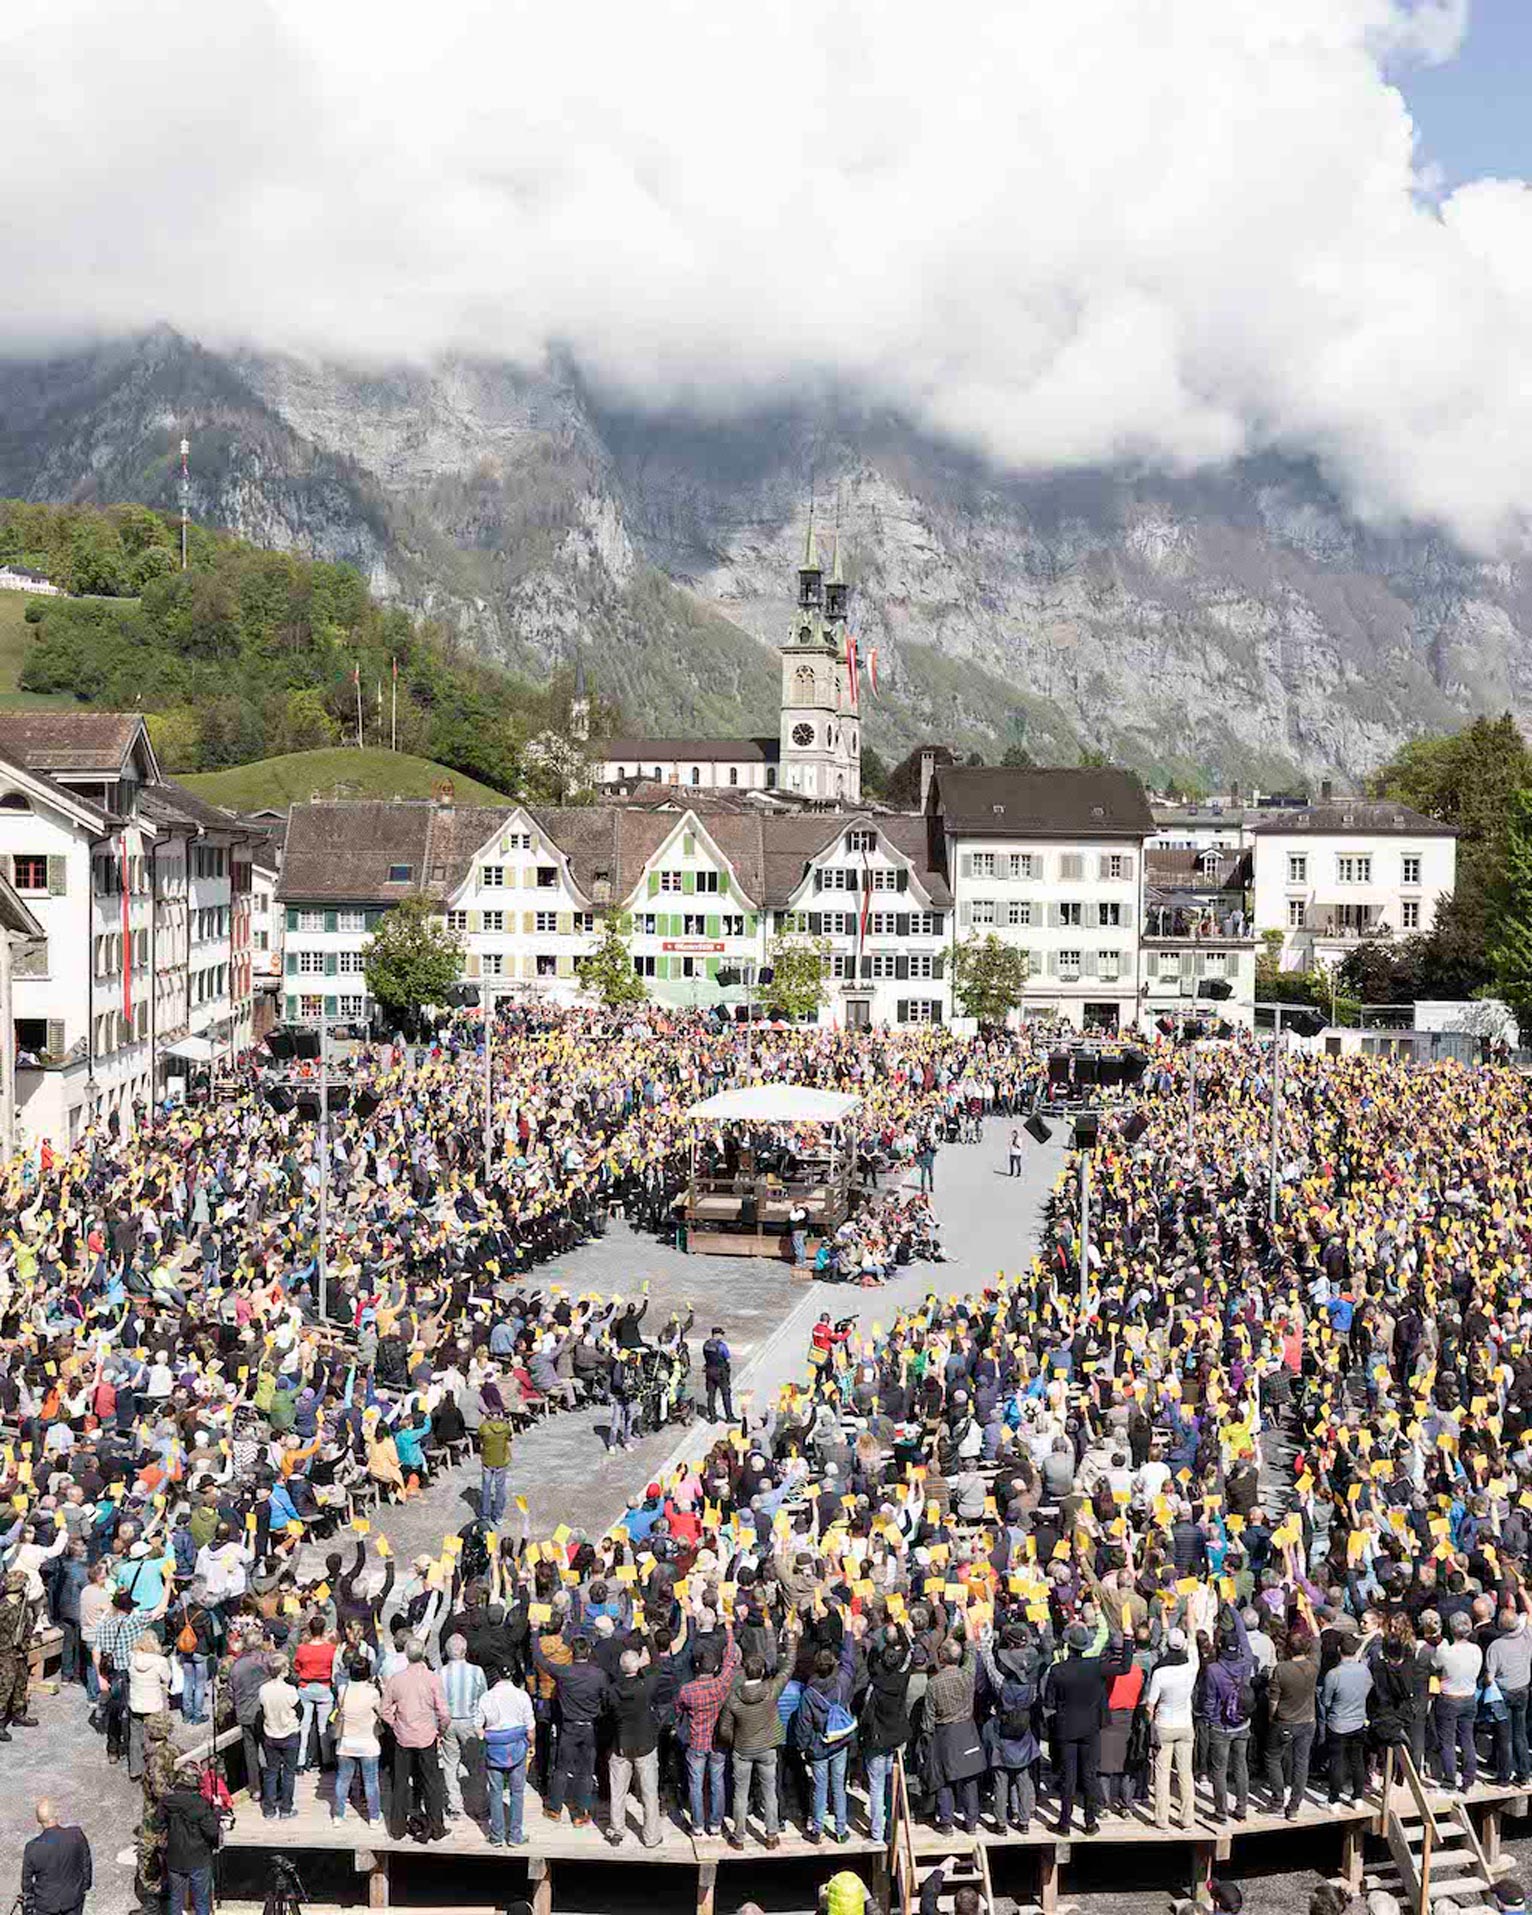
x,y
810,572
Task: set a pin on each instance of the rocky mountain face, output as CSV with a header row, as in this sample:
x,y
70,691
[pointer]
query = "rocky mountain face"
x,y
1236,624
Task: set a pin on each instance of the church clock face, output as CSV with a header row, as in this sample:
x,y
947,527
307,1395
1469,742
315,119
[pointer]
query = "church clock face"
x,y
803,734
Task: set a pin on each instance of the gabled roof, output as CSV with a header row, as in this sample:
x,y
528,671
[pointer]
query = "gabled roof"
x,y
14,915
1070,801
342,853
1196,871
1376,817
171,804
700,751
36,785
79,742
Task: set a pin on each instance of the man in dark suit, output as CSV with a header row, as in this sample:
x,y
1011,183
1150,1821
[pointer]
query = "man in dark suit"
x,y
1076,1690
55,1867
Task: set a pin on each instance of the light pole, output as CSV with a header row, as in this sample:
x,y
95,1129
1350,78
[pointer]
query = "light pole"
x,y
487,1020
1086,1130
324,1162
1307,1022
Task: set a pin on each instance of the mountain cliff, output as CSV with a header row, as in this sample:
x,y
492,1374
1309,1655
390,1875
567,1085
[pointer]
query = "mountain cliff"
x,y
1236,623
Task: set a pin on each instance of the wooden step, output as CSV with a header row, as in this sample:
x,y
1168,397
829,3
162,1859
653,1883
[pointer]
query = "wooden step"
x,y
1474,1884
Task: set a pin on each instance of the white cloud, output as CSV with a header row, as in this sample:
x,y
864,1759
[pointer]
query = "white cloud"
x,y
1063,231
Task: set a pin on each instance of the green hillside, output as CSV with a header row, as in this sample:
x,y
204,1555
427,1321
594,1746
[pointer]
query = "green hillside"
x,y
16,638
250,655
339,772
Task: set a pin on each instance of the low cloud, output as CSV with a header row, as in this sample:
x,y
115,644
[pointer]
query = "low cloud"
x,y
1060,231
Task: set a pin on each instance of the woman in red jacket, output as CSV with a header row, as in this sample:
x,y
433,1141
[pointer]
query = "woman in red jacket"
x,y
314,1673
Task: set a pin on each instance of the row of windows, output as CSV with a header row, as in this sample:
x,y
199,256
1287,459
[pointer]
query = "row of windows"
x,y
353,920
209,861
493,877
847,877
882,924
883,964
212,921
699,881
1107,915
347,1008
1350,917
328,963
580,921
1029,867
1351,867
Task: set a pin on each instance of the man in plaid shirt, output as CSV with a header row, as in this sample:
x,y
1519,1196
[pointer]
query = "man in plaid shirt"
x,y
701,1702
116,1633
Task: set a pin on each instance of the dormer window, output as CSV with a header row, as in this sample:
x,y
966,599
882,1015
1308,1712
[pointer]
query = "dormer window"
x,y
998,810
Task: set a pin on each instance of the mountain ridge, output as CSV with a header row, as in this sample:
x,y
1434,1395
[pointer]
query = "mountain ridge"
x,y
1236,623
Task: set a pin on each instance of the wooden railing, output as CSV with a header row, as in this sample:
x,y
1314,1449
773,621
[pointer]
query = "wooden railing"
x,y
1416,1873
904,1880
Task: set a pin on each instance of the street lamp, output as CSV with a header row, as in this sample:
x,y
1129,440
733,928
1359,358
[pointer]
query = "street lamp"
x,y
1087,1129
745,973
1307,1022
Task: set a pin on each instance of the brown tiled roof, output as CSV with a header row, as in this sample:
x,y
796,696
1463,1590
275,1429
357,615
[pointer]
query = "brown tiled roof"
x,y
69,740
1183,870
701,751
1376,816
1069,801
170,801
341,852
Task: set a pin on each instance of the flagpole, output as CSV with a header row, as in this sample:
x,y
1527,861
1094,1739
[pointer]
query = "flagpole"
x,y
393,726
356,679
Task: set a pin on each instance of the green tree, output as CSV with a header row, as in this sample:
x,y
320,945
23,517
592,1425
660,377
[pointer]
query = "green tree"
x,y
607,972
177,738
799,966
874,773
989,977
305,724
1017,758
411,960
1511,952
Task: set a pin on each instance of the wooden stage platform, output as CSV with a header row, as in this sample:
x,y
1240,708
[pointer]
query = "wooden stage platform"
x,y
554,1844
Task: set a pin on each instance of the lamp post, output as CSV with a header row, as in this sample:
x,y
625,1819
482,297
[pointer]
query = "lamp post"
x,y
1307,1022
324,1162
1087,1128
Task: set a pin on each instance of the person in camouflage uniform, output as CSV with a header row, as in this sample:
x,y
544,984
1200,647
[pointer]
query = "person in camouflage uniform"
x,y
158,1781
15,1647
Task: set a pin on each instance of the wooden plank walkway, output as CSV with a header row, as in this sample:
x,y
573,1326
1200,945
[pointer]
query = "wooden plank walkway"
x,y
551,1843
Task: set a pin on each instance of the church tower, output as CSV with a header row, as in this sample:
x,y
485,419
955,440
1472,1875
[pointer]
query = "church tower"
x,y
821,757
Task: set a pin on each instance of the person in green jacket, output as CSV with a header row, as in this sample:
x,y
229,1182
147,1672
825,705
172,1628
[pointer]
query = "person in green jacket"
x,y
751,1723
494,1466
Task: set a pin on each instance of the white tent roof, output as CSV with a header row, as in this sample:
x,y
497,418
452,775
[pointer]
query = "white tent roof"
x,y
775,1104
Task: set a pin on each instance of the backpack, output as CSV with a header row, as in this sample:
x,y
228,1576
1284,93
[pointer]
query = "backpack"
x,y
1236,1705
186,1640
1013,1716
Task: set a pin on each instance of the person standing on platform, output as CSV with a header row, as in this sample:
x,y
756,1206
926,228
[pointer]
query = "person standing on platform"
x,y
415,1708
55,1866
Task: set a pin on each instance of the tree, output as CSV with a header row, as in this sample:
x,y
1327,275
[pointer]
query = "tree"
x,y
874,773
177,738
607,972
411,960
555,771
1017,758
989,977
797,987
1511,952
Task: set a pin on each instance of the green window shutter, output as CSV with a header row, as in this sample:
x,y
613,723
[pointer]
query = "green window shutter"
x,y
374,919
292,1008
566,923
712,969
662,969
688,845
292,964
723,884
751,924
292,917
329,1006
654,882
689,883
712,924
332,921
331,964
58,879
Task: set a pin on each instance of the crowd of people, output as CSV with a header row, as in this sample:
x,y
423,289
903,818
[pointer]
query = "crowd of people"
x,y
1240,1504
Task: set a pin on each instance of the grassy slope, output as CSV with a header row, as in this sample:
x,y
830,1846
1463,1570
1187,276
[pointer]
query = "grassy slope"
x,y
15,638
338,772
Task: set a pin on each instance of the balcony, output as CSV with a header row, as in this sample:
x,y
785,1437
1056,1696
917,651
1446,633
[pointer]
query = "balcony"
x,y
1170,924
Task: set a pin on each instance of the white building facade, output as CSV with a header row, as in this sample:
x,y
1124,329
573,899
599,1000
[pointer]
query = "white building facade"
x,y
1052,861
1329,875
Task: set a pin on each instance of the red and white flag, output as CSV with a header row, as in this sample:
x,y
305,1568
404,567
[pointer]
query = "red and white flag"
x,y
851,669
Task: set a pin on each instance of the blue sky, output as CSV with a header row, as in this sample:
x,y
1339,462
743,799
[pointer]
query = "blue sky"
x,y
1472,112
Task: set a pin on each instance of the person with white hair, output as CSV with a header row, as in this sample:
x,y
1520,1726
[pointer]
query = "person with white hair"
x,y
464,1686
1168,1703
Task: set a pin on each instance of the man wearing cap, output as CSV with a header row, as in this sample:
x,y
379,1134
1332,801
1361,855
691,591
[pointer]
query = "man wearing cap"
x,y
1169,1705
1077,1690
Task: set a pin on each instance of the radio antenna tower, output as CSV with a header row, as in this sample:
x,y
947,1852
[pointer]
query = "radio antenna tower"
x,y
185,497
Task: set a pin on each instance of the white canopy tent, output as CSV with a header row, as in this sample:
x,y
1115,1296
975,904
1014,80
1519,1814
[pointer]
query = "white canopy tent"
x,y
775,1104
748,1205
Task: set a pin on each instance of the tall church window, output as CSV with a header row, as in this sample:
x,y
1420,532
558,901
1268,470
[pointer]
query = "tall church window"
x,y
696,774
734,774
803,685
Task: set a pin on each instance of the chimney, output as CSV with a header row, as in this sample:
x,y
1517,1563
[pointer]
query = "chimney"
x,y
1326,791
927,773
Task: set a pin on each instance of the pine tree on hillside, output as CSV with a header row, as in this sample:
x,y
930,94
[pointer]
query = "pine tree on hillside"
x,y
1511,947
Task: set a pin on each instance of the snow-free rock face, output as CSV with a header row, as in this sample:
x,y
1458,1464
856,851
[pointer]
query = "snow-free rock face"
x,y
1236,622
